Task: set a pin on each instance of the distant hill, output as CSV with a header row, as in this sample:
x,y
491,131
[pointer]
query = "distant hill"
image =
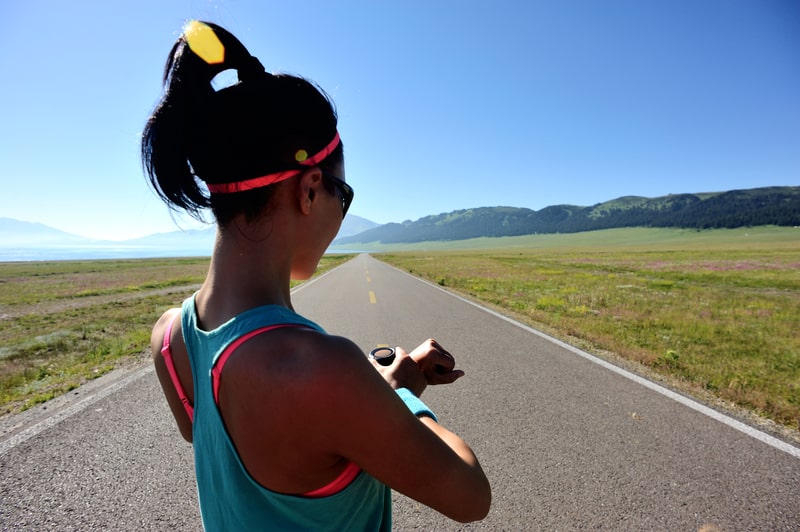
x,y
737,208
15,233
19,234
204,238
353,225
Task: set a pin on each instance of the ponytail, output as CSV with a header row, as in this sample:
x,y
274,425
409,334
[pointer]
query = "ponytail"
x,y
198,138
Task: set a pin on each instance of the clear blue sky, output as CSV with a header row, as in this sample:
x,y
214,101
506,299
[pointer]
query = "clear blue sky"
x,y
443,104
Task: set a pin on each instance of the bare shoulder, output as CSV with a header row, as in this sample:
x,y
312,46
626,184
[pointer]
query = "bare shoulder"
x,y
294,374
299,374
180,364
157,334
298,357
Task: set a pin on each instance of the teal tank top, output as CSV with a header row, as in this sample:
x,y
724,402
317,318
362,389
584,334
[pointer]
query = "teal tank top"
x,y
230,499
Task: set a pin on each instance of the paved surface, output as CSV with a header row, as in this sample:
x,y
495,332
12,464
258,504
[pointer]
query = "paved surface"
x,y
567,443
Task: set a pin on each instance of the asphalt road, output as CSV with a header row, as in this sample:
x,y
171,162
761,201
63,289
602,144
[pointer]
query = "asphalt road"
x,y
567,443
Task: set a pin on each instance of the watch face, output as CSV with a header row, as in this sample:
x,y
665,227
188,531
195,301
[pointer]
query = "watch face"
x,y
382,355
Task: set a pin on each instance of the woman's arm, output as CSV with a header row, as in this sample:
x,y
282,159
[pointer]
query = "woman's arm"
x,y
182,367
369,424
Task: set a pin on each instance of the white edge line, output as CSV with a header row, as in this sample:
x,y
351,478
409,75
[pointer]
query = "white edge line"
x,y
694,405
315,279
70,411
318,277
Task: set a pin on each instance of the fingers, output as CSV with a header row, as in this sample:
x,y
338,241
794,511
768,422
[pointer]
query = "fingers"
x,y
444,362
445,378
433,361
437,356
436,362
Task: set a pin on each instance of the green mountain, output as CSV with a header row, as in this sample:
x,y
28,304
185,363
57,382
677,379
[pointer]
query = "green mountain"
x,y
736,208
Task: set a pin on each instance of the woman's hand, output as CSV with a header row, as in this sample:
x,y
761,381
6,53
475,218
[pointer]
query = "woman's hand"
x,y
370,425
428,364
403,372
436,363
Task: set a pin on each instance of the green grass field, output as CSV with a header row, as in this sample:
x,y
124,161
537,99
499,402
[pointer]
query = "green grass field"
x,y
63,323
716,312
663,239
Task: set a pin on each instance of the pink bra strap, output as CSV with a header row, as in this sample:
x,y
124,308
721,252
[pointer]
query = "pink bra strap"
x,y
339,483
216,371
166,352
347,475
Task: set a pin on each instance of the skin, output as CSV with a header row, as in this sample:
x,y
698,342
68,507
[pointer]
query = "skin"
x,y
332,404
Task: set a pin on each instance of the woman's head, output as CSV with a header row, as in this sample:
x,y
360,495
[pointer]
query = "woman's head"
x,y
237,140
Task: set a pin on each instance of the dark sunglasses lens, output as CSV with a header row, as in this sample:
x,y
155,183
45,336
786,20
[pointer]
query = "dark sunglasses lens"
x,y
345,191
347,197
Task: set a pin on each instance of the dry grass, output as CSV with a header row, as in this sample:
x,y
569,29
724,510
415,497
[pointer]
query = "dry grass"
x,y
63,323
718,320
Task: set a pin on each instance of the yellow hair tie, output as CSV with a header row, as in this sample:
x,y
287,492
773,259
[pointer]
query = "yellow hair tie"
x,y
204,42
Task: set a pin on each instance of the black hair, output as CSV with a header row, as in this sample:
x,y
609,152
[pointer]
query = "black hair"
x,y
252,128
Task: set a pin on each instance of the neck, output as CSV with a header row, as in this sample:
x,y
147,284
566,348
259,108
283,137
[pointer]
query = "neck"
x,y
245,272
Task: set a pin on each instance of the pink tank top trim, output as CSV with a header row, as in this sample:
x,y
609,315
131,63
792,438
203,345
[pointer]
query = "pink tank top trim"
x,y
166,352
338,484
216,371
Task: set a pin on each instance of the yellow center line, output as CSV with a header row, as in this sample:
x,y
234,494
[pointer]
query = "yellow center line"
x,y
371,296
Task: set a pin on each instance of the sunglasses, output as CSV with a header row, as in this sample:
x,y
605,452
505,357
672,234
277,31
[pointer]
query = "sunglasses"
x,y
345,191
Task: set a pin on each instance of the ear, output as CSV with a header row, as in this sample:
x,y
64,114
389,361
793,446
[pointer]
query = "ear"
x,y
309,188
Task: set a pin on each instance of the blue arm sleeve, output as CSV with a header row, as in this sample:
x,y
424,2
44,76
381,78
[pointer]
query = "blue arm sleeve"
x,y
415,404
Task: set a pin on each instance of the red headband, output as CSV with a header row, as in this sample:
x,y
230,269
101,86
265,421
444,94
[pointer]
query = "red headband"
x,y
270,179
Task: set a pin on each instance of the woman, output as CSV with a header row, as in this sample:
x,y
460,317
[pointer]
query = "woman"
x,y
300,430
